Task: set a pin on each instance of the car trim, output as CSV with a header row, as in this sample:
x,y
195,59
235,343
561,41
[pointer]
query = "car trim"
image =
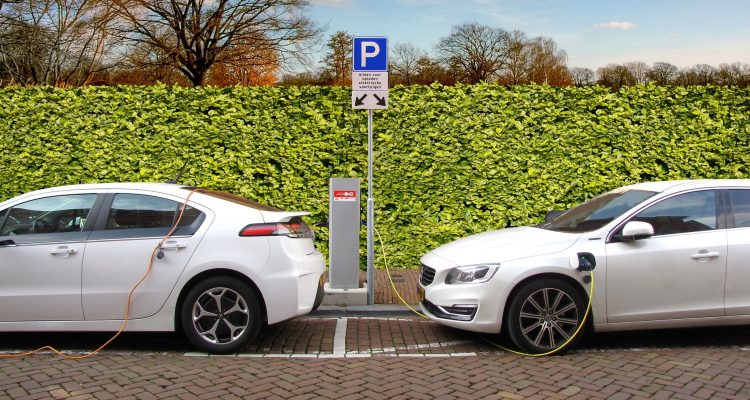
x,y
59,237
720,211
101,233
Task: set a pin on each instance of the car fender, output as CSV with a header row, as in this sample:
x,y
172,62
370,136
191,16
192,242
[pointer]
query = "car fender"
x,y
559,264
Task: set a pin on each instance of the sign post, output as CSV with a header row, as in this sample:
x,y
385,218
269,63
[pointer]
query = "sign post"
x,y
370,92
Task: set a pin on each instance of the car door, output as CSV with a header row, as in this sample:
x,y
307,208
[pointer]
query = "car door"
x,y
677,273
121,245
738,259
42,243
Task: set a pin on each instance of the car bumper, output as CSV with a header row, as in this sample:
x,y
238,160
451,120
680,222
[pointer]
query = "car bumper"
x,y
472,307
290,289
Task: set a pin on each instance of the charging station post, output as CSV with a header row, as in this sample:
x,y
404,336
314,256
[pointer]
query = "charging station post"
x,y
370,92
344,225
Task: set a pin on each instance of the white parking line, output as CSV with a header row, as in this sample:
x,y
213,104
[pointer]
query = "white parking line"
x,y
339,338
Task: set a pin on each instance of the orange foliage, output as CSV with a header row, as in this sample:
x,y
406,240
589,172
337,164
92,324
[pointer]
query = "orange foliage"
x,y
254,68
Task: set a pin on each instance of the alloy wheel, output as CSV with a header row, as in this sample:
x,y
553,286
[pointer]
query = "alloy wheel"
x,y
548,318
220,315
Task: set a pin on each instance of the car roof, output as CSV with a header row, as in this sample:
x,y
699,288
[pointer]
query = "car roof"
x,y
680,185
170,188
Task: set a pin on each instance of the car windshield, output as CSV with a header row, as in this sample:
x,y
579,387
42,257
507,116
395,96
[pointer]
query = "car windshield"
x,y
597,212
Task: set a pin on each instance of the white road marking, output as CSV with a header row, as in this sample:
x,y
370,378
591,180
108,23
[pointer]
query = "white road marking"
x,y
339,337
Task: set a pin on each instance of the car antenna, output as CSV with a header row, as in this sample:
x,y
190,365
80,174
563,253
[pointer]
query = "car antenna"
x,y
179,174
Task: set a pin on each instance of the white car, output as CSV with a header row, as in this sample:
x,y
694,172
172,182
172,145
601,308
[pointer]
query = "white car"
x,y
662,255
69,257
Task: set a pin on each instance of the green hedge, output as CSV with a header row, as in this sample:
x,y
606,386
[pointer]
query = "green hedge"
x,y
450,161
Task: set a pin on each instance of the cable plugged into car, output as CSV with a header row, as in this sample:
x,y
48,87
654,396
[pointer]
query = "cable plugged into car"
x,y
158,253
586,263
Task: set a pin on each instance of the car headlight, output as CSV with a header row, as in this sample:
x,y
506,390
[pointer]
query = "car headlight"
x,y
471,274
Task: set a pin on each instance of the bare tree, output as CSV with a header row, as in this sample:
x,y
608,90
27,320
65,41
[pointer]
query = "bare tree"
x,y
304,78
548,63
197,34
74,35
582,76
476,52
639,70
615,76
519,59
405,63
735,74
699,74
338,60
663,73
432,71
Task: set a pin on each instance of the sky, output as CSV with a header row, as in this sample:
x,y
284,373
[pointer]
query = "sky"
x,y
593,33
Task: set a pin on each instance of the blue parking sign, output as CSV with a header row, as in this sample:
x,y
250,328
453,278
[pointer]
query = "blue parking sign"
x,y
370,54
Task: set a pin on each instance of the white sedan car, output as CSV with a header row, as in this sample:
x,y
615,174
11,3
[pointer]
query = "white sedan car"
x,y
662,255
69,257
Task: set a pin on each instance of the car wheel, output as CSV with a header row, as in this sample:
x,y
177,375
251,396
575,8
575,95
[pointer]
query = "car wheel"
x,y
221,315
543,316
319,296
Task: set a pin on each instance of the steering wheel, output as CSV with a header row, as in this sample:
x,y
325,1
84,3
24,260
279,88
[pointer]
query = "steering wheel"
x,y
41,226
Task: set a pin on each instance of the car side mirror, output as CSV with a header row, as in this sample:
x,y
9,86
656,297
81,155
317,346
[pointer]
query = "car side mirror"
x,y
635,230
552,214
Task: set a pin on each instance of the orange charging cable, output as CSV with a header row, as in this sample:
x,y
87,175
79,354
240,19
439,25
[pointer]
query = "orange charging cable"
x,y
127,307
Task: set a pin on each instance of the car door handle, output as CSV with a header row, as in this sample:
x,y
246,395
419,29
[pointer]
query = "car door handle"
x,y
63,251
701,255
173,244
7,243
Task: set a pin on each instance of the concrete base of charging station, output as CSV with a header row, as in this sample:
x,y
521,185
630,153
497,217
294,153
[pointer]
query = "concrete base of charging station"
x,y
344,297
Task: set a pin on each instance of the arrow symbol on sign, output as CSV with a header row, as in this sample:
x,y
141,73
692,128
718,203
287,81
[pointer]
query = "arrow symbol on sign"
x,y
358,100
381,100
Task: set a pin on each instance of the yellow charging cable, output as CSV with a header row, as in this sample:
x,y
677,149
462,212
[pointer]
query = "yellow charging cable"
x,y
559,349
388,272
127,306
556,350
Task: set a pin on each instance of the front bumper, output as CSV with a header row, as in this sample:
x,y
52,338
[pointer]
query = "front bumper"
x,y
472,307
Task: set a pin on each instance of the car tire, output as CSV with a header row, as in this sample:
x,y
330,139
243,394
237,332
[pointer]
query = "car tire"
x,y
319,294
543,315
221,315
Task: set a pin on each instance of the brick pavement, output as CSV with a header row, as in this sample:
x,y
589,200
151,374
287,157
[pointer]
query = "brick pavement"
x,y
405,281
384,358
664,374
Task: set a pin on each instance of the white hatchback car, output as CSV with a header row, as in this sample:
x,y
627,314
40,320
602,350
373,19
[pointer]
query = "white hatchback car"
x,y
69,257
663,255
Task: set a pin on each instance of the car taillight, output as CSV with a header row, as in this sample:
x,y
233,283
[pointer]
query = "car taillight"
x,y
293,229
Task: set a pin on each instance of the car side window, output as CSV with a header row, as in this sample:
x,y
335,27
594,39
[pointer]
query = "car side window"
x,y
740,207
136,211
55,214
689,212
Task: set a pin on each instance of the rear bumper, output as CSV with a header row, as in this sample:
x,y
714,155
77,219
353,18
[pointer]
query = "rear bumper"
x,y
290,289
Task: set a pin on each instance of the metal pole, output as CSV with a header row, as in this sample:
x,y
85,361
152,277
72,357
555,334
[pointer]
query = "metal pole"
x,y
370,216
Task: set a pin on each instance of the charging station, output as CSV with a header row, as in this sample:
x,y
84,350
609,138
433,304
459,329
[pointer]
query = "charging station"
x,y
344,218
369,92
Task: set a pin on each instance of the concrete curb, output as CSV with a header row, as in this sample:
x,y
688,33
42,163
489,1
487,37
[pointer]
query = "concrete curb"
x,y
375,310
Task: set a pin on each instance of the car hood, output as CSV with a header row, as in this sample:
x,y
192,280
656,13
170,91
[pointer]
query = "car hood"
x,y
505,245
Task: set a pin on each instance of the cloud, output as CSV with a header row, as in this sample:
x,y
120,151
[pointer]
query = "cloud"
x,y
332,3
615,25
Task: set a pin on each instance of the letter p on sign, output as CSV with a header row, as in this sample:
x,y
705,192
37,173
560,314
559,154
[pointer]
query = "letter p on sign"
x,y
370,54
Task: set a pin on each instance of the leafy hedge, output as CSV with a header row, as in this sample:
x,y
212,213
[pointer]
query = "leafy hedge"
x,y
450,161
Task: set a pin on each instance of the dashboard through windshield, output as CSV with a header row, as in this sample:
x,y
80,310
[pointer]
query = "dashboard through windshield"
x,y
597,212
